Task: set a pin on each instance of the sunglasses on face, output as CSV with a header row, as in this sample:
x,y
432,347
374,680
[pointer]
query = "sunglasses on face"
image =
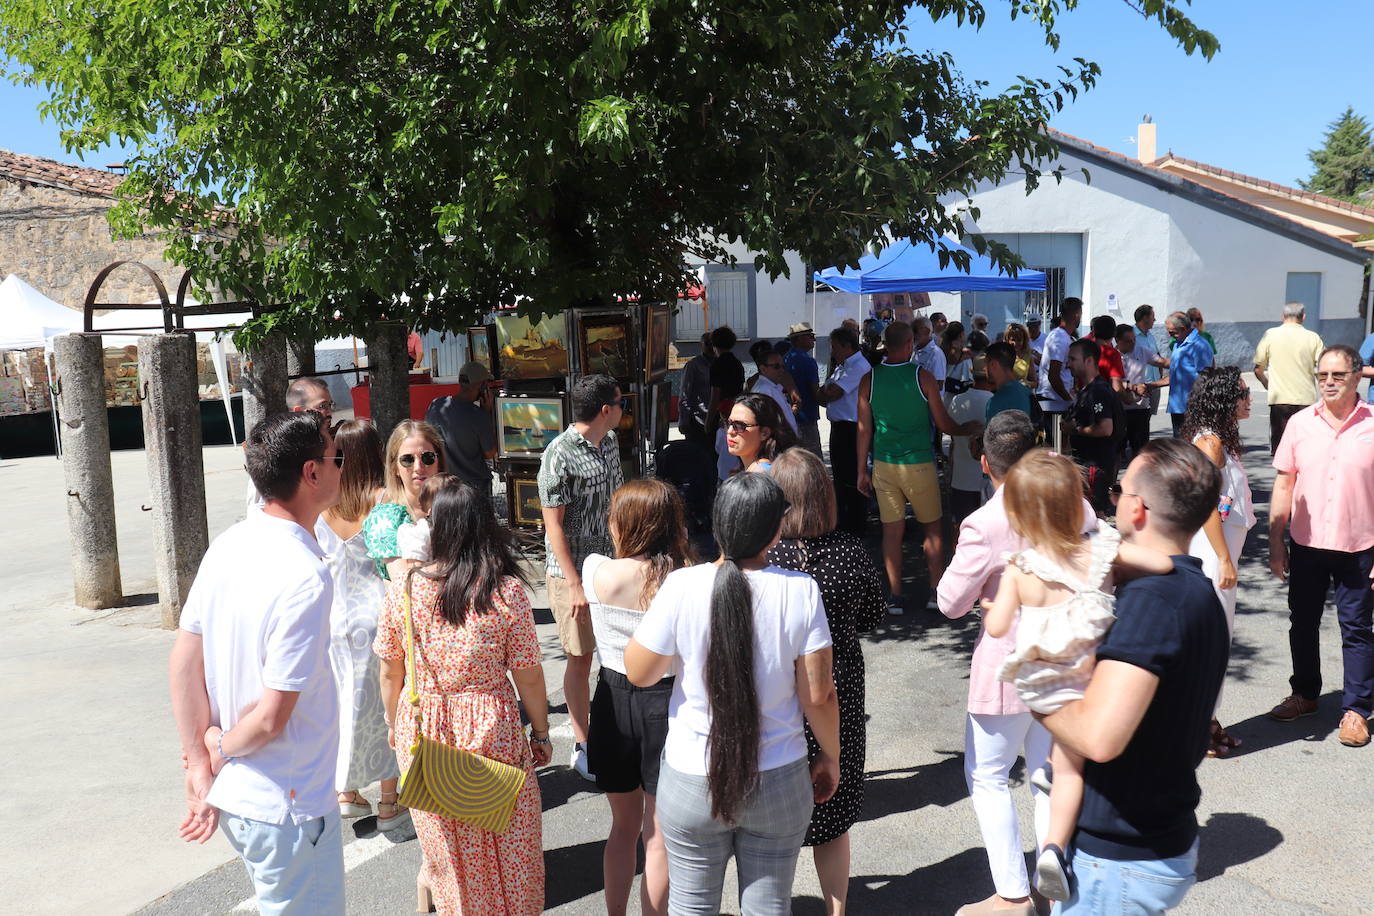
x,y
426,458
738,427
1337,377
337,458
623,404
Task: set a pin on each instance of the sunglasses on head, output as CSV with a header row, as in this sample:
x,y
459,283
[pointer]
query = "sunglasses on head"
x,y
426,458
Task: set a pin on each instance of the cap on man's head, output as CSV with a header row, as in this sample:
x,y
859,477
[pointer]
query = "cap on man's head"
x,y
798,329
474,373
1034,322
980,365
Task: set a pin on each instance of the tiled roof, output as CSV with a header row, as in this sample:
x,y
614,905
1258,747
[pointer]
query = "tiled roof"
x,y
50,172
1286,191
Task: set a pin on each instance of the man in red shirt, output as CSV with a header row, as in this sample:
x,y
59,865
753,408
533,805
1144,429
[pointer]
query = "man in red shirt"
x,y
1109,364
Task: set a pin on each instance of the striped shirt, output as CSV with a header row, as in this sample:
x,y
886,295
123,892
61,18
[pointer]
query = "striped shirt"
x,y
580,476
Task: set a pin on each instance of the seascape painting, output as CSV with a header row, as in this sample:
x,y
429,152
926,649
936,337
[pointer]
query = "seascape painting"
x,y
527,425
479,347
605,342
526,350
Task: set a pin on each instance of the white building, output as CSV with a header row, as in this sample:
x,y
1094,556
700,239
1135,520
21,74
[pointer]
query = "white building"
x,y
1120,231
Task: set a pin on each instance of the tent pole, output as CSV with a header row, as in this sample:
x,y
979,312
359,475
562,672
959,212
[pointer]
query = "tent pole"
x,y
52,402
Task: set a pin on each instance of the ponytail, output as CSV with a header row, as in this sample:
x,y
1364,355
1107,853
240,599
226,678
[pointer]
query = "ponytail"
x,y
746,517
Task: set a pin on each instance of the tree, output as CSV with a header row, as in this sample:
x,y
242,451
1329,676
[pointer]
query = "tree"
x,y
1344,166
470,153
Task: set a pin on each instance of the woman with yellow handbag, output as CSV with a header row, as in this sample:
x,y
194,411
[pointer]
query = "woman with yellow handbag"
x,y
459,624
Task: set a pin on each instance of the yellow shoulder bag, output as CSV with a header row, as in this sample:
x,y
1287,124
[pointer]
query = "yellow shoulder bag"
x,y
451,782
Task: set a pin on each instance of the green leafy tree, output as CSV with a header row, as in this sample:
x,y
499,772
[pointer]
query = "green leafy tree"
x,y
470,153
1344,166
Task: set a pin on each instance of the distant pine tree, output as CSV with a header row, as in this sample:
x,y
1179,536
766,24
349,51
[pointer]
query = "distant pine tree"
x,y
1344,166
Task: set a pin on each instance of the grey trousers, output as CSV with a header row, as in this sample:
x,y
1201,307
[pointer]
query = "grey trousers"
x,y
809,432
765,842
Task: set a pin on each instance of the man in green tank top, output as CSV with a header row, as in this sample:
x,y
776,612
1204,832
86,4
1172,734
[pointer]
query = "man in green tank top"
x,y
898,402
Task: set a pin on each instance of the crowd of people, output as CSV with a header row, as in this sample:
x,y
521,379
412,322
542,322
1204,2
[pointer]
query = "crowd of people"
x,y
388,606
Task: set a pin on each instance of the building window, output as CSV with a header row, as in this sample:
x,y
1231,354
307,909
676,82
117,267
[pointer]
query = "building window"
x,y
1305,287
1045,305
731,299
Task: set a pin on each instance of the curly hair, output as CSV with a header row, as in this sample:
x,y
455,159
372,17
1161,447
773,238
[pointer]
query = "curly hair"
x,y
1212,407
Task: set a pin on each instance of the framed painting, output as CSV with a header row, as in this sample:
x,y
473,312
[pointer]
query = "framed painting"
x,y
658,327
525,426
662,419
531,350
522,502
605,346
480,346
628,430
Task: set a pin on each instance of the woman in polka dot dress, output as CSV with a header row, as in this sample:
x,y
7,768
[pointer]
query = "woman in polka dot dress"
x,y
852,591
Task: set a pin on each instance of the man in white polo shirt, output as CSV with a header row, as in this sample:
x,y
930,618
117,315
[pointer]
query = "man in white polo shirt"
x,y
840,395
252,692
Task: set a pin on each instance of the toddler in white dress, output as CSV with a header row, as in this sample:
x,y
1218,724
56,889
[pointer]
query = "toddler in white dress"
x,y
1057,592
412,538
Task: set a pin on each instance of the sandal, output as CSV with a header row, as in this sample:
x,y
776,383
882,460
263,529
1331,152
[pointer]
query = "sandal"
x,y
352,804
399,816
1222,741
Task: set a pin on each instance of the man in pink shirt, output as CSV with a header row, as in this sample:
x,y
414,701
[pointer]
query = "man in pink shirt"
x,y
1323,495
999,725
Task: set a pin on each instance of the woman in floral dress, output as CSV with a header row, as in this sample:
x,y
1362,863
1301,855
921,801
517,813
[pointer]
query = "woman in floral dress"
x,y
364,755
473,625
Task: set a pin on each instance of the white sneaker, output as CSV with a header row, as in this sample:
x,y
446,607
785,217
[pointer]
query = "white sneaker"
x,y
1042,778
578,763
1052,874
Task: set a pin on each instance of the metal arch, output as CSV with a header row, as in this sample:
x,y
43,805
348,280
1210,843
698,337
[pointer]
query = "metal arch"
x,y
164,305
180,309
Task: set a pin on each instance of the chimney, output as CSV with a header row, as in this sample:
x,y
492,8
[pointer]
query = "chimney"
x,y
1145,140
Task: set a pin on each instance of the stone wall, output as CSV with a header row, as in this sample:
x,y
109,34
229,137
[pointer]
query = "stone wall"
x,y
57,241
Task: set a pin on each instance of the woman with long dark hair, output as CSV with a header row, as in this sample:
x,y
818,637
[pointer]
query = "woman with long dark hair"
x,y
753,650
853,591
629,723
473,626
757,432
1220,399
364,755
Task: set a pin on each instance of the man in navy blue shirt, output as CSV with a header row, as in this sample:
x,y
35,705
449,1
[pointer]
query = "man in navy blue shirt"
x,y
1143,723
802,367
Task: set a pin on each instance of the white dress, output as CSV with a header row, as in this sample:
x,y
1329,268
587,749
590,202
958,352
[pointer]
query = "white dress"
x,y
364,755
1056,645
1235,487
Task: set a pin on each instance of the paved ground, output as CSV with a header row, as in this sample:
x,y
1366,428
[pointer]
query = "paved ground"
x,y
94,781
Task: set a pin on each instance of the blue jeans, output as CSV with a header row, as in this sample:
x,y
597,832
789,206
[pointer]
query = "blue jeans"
x,y
1108,887
295,868
765,841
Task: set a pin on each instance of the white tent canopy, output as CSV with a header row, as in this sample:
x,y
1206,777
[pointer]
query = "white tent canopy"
x,y
30,319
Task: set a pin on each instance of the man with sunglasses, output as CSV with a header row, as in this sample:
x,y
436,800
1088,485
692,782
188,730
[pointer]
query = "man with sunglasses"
x,y
578,472
1322,496
771,381
252,689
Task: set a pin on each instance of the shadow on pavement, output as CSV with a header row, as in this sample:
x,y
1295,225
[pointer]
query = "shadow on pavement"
x,y
572,872
1229,839
558,784
911,788
1260,733
941,887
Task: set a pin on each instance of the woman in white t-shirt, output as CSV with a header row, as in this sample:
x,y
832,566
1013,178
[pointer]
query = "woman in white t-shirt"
x,y
753,652
628,723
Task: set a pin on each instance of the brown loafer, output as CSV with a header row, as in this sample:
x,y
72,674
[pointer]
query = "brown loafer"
x,y
1293,707
1354,729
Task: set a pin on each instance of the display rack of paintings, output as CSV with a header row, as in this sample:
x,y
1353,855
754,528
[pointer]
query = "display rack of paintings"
x,y
531,350
605,345
526,425
522,499
481,345
658,325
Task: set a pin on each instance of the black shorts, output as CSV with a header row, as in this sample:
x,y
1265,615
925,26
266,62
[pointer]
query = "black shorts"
x,y
628,727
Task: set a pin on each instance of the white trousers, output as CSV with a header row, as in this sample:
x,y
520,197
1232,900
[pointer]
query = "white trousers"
x,y
991,746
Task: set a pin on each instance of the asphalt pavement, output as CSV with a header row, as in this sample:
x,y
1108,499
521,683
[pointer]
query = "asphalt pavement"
x,y
94,795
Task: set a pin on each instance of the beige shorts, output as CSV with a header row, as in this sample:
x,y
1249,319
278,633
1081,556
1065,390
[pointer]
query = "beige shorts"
x,y
898,484
575,635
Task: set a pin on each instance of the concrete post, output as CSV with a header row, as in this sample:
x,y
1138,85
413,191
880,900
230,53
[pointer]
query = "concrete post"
x,y
176,467
389,368
300,356
264,380
85,431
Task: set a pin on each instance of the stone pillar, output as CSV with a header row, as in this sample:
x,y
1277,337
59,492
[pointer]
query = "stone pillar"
x,y
389,369
176,467
300,356
85,431
264,380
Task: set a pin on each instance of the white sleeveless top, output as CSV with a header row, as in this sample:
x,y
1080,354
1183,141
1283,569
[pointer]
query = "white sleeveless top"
x,y
1056,645
613,626
1235,484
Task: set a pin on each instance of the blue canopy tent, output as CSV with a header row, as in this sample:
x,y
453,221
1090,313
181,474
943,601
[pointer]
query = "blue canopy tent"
x,y
906,268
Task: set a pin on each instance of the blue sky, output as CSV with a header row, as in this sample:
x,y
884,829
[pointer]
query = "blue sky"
x,y
1284,72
